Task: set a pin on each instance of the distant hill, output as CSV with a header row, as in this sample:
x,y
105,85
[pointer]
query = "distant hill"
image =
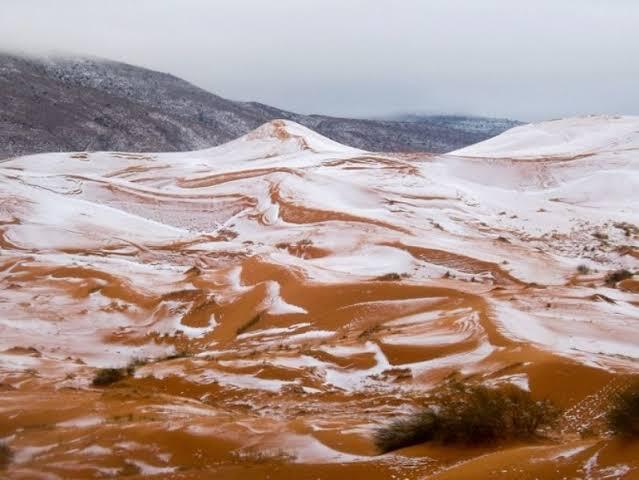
x,y
70,104
484,125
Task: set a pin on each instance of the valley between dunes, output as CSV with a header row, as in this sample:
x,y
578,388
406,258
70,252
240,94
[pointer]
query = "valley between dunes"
x,y
284,295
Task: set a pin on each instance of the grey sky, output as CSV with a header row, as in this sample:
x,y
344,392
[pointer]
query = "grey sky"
x,y
515,58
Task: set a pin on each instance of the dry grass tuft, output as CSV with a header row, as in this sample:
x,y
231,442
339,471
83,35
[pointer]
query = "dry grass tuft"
x,y
617,276
6,455
623,417
470,414
108,376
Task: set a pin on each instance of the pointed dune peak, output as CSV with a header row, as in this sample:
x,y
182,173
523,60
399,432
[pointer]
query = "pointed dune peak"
x,y
288,132
275,139
280,130
566,137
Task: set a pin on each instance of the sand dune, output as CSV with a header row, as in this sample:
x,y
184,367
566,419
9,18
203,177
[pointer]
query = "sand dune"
x,y
288,294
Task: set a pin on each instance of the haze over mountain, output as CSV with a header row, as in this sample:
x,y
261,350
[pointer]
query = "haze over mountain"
x,y
531,62
72,104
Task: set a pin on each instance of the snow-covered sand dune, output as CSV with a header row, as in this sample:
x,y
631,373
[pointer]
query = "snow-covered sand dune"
x,y
284,269
569,137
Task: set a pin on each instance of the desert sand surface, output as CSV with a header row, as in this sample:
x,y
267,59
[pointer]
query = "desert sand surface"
x,y
283,295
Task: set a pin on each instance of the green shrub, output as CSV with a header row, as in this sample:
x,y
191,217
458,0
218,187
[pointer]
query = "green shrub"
x,y
623,416
470,414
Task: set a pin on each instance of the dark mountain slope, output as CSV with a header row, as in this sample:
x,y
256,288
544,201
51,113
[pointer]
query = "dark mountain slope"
x,y
92,104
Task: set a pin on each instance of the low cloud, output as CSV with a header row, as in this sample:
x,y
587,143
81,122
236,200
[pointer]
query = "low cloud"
x,y
526,60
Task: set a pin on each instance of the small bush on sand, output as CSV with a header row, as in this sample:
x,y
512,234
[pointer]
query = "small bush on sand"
x,y
5,456
470,414
389,277
623,416
414,429
107,376
135,363
583,270
617,276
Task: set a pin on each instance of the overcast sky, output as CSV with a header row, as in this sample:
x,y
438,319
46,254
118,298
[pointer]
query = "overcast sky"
x,y
525,59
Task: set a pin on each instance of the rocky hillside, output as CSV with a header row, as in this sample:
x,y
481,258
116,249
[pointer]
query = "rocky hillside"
x,y
484,125
71,104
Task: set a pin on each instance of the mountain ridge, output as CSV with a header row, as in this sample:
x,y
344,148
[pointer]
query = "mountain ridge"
x,y
78,103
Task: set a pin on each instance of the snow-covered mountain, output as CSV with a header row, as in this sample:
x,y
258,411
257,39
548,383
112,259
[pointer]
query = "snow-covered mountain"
x,y
70,104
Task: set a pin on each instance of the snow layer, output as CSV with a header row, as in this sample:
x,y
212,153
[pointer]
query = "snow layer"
x,y
328,214
566,137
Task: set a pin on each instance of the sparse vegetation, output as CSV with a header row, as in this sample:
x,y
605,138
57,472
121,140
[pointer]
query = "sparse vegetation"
x,y
389,277
108,376
628,228
370,330
177,354
247,325
583,269
623,417
617,276
600,235
260,457
6,454
415,429
470,414
135,363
